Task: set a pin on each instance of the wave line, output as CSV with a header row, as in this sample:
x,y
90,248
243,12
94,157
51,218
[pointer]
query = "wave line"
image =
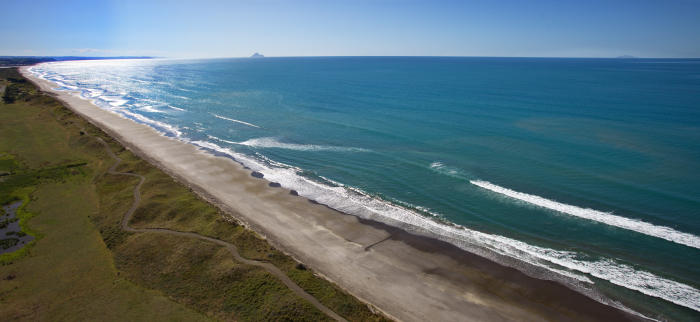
x,y
273,143
357,202
232,120
637,225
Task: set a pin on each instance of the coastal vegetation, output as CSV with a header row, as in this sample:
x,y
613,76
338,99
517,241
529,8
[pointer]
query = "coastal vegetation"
x,y
12,61
23,61
83,265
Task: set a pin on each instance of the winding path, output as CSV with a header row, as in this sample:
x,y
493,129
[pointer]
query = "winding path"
x,y
231,248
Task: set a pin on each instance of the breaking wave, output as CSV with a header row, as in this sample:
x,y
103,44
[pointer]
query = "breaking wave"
x,y
567,267
273,143
237,121
573,269
636,225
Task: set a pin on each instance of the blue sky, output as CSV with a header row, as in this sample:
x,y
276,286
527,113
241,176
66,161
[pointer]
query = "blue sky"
x,y
214,28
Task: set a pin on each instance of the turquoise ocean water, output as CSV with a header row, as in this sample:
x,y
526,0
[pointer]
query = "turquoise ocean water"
x,y
583,171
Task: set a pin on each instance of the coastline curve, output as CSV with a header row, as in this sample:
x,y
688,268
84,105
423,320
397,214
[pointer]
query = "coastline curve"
x,y
408,277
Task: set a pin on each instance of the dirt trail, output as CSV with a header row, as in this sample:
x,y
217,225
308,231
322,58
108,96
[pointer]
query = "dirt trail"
x,y
231,248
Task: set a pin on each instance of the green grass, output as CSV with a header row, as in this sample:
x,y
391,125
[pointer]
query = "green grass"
x,y
331,295
208,279
17,88
167,204
7,164
77,207
69,274
179,210
30,178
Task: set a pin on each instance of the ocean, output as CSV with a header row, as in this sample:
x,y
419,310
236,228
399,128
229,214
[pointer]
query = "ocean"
x,y
586,169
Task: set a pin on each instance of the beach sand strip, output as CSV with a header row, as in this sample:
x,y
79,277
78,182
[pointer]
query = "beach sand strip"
x,y
407,277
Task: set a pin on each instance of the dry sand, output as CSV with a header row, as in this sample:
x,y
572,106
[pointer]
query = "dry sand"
x,y
409,278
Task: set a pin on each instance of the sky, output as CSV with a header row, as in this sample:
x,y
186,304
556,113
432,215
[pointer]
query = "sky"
x,y
232,28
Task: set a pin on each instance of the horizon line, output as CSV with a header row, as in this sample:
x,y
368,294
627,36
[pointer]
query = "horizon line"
x,y
330,56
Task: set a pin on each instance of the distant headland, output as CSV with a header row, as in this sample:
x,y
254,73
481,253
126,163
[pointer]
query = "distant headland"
x,y
626,56
32,60
256,55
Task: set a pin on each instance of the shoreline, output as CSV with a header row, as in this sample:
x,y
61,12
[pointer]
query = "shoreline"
x,y
408,277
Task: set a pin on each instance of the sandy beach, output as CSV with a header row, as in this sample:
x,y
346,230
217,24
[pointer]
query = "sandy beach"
x,y
407,277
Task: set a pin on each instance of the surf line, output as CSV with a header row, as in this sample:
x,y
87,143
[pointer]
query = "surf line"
x,y
636,225
237,121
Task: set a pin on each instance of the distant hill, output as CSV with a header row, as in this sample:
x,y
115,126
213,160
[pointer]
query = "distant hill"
x,y
23,61
256,55
33,60
62,58
626,56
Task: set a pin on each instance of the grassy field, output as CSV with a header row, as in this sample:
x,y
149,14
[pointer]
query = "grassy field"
x,y
69,274
87,267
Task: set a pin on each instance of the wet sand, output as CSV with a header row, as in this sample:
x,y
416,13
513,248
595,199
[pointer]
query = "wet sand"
x,y
408,277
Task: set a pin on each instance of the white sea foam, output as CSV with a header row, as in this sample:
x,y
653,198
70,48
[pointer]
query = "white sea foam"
x,y
273,143
140,118
563,266
116,106
116,103
237,121
92,93
150,108
222,140
639,226
446,170
113,101
566,267
154,108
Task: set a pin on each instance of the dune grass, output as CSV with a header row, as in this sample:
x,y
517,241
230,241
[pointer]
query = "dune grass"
x,y
87,267
68,274
168,204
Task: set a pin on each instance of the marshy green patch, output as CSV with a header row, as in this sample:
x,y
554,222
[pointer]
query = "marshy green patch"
x,y
8,165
